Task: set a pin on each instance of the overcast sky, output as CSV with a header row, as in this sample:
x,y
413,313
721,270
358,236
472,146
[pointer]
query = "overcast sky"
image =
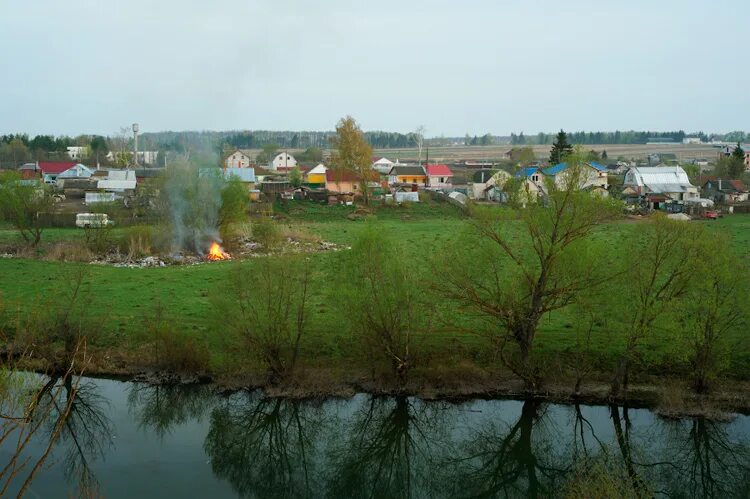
x,y
78,66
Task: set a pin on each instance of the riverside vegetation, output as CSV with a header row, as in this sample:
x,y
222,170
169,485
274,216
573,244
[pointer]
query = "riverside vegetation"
x,y
563,299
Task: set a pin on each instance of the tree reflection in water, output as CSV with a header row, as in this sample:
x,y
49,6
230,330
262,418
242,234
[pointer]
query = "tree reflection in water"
x,y
516,460
701,460
65,413
390,448
162,407
265,447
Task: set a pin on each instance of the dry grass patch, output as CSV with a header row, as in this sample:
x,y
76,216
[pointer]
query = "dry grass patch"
x,y
68,251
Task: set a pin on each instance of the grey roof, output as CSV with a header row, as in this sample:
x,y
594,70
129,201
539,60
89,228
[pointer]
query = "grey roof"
x,y
407,170
244,174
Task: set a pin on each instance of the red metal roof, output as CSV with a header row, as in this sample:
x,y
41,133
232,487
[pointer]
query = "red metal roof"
x,y
56,167
341,176
439,171
348,176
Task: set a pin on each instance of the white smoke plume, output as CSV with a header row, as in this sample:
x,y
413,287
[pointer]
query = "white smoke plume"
x,y
193,201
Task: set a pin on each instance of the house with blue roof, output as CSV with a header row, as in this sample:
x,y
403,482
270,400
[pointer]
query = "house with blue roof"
x,y
594,177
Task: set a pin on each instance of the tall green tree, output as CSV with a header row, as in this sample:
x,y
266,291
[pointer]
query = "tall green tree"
x,y
561,149
712,308
736,164
295,177
658,272
510,274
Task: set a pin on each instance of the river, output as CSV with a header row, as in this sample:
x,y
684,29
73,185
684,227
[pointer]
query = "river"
x,y
123,439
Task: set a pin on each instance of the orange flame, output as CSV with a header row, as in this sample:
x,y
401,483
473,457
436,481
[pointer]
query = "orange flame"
x,y
217,253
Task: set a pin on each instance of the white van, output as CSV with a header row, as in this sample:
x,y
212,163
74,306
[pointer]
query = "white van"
x,y
95,220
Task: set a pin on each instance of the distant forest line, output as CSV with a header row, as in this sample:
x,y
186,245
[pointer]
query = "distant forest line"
x,y
16,148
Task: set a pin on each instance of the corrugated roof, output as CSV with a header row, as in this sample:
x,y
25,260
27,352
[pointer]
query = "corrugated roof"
x,y
54,167
76,171
244,174
407,170
526,172
439,171
554,170
116,185
659,179
341,176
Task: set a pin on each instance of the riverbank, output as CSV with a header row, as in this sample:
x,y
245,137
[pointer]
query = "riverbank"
x,y
666,396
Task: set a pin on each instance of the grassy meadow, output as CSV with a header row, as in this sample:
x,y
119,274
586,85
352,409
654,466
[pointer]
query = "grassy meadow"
x,y
121,299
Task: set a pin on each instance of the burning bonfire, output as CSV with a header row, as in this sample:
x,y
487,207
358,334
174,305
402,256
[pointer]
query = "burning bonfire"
x,y
216,252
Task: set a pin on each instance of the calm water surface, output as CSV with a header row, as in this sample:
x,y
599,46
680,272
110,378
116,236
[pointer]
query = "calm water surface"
x,y
131,440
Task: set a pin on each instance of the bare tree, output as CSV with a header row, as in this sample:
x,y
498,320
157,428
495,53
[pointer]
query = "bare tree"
x,y
418,137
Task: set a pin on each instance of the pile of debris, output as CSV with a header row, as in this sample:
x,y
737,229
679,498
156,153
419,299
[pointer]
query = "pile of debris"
x,y
251,248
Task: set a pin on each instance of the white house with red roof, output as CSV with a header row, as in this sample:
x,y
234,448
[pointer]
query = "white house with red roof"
x,y
52,170
438,176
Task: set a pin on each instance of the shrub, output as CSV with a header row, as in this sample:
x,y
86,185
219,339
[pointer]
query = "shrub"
x,y
267,233
173,350
63,319
137,241
264,308
383,301
99,240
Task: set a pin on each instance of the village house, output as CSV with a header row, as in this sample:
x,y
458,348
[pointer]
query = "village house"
x,y
724,190
29,171
50,171
438,176
488,185
282,161
532,187
238,159
143,157
77,153
342,182
404,174
317,175
593,176
382,165
658,184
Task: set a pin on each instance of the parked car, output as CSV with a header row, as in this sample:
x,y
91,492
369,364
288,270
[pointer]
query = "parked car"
x,y
93,220
710,215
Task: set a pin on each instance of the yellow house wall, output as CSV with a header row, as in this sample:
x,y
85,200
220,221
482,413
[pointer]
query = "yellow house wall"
x,y
404,179
317,178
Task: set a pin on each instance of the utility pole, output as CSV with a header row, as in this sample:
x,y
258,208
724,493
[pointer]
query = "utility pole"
x,y
135,144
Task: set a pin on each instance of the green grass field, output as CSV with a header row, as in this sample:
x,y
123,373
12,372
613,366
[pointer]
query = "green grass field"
x,y
121,298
